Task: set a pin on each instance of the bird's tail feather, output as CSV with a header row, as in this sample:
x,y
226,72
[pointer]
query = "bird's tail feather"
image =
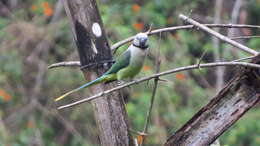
x,y
91,83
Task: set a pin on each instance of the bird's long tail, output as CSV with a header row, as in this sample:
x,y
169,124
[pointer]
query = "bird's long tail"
x,y
101,79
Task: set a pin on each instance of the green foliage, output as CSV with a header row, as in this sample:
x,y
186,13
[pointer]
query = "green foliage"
x,y
177,99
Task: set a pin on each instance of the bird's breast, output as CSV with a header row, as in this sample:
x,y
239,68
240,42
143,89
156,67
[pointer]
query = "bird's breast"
x,y
136,63
137,59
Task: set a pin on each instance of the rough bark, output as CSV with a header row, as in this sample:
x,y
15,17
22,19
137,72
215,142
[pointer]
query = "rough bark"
x,y
93,47
231,103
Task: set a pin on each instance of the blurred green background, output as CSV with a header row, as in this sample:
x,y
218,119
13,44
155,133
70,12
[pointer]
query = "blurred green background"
x,y
36,33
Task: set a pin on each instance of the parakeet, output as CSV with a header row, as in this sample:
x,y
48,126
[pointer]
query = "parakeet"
x,y
127,65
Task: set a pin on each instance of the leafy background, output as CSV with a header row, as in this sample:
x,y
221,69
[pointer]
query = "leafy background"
x,y
36,33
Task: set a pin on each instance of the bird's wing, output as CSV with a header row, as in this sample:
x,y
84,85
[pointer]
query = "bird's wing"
x,y
122,62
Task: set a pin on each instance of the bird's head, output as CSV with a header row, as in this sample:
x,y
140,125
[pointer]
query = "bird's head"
x,y
141,41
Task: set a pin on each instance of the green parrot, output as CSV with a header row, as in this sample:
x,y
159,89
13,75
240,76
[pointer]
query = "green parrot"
x,y
127,65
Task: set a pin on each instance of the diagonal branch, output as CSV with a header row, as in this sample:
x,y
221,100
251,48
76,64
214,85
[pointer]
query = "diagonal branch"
x,y
218,35
230,104
185,68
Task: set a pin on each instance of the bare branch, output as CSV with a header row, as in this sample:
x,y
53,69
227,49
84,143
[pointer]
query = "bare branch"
x,y
67,63
245,37
242,59
174,28
218,35
185,68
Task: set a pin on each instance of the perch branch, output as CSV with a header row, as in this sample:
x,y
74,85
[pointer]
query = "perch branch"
x,y
218,35
185,68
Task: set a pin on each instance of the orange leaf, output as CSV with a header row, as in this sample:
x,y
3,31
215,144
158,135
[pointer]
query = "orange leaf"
x,y
136,8
29,124
33,7
147,68
170,20
136,95
48,12
180,76
258,140
45,5
140,139
6,97
139,26
176,36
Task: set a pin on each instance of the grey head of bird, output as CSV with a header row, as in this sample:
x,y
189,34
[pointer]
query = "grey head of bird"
x,y
141,41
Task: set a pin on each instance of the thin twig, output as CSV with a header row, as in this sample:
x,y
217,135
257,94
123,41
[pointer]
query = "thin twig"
x,y
67,63
242,59
96,64
202,56
245,37
150,29
218,35
156,80
190,67
138,132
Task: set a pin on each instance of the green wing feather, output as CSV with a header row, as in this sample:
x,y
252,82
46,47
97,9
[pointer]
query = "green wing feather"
x,y
122,62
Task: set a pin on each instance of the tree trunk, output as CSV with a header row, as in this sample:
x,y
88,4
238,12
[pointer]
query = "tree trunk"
x,y
93,48
234,100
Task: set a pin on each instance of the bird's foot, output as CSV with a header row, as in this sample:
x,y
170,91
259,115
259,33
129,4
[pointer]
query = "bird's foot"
x,y
120,82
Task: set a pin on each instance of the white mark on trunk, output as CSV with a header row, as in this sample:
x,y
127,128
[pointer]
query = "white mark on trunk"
x,y
96,29
94,47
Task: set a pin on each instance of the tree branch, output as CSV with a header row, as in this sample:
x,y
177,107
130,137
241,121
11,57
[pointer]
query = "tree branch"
x,y
245,37
67,63
218,35
185,68
174,28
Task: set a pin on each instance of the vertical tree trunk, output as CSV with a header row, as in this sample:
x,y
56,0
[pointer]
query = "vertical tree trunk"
x,y
93,48
218,51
